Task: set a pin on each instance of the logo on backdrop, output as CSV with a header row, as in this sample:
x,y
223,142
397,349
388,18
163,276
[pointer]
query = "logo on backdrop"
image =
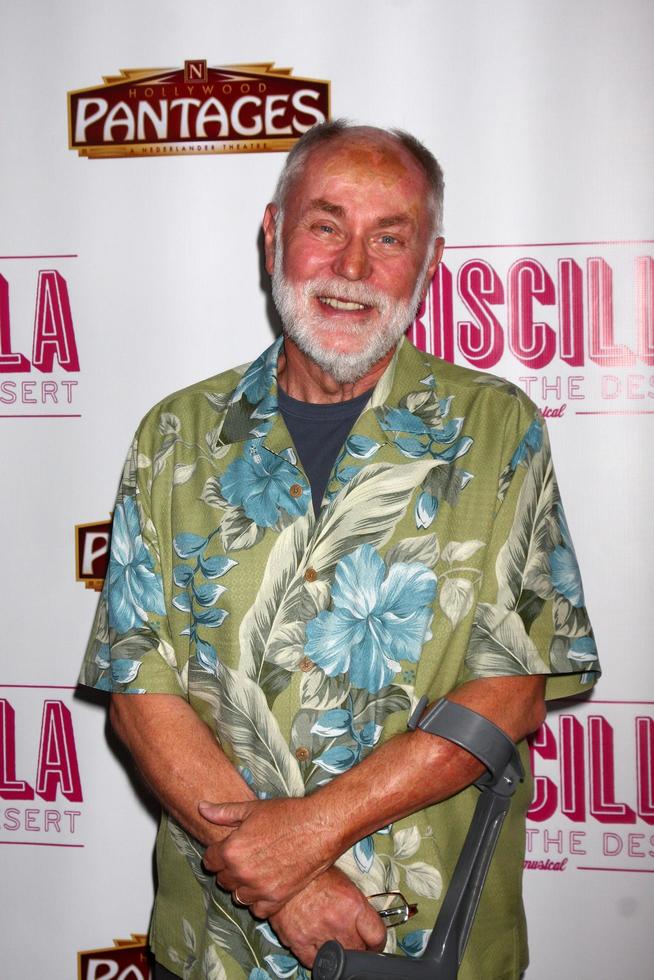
x,y
41,796
92,553
593,805
572,324
35,310
127,959
195,109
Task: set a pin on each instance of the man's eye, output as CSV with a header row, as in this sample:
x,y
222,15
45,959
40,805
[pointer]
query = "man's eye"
x,y
388,240
328,229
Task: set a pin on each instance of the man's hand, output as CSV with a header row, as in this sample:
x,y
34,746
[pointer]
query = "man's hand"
x,y
330,907
274,851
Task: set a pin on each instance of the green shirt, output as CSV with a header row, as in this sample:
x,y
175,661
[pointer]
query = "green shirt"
x,y
440,554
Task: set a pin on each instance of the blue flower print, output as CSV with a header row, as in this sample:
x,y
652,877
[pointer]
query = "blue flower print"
x,y
583,649
248,776
566,577
337,722
282,965
364,854
423,438
135,590
260,482
426,508
257,380
361,447
414,943
377,620
402,420
530,444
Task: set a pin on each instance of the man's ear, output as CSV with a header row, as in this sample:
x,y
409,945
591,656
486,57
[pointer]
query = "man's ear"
x,y
439,245
269,228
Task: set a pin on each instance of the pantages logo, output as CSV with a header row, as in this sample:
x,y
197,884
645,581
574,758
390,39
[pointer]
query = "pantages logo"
x,y
195,109
92,553
127,959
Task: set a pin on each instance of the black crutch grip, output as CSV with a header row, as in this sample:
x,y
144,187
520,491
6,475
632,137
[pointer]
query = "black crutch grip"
x,y
335,963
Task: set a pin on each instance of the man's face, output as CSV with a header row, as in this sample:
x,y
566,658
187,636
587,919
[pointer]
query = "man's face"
x,y
354,255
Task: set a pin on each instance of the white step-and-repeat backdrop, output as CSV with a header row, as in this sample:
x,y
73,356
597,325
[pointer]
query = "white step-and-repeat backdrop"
x,y
130,265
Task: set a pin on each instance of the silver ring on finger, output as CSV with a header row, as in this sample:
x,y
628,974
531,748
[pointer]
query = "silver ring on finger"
x,y
238,901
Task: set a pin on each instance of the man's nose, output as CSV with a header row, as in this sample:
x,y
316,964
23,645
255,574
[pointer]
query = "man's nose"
x,y
352,261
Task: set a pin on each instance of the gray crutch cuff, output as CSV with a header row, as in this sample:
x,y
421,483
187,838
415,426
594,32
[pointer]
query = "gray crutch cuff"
x,y
476,735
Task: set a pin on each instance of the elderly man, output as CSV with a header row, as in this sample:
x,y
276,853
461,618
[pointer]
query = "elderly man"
x,y
303,549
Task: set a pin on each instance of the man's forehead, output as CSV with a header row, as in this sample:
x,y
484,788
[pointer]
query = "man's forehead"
x,y
374,160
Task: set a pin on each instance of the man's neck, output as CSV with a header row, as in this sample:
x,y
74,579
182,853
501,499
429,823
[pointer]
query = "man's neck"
x,y
302,378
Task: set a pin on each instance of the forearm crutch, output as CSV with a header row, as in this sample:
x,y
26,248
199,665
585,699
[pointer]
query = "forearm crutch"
x,y
447,943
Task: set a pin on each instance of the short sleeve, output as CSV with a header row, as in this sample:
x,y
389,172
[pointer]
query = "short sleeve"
x,y
130,650
531,617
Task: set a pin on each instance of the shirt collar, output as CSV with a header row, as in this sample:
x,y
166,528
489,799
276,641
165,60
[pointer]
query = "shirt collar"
x,y
253,411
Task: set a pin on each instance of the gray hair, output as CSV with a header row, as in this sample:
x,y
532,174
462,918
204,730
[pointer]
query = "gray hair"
x,y
328,131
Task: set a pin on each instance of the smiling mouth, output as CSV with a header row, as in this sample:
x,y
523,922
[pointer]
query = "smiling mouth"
x,y
343,304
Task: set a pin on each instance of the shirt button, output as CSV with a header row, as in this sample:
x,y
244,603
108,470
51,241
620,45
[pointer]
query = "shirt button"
x,y
295,490
306,664
302,754
311,575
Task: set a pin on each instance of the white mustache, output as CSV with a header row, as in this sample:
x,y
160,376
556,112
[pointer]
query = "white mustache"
x,y
350,291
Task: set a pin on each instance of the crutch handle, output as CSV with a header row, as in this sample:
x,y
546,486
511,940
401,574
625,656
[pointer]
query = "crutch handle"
x,y
335,963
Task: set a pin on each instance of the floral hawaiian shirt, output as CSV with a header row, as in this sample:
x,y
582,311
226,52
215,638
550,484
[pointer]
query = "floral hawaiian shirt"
x,y
440,553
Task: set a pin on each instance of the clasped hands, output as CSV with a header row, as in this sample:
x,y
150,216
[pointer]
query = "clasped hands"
x,y
278,859
273,851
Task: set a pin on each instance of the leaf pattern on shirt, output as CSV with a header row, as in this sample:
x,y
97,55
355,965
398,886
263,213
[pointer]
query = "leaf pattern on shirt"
x,y
394,871
281,583
527,578
244,722
337,738
365,511
230,927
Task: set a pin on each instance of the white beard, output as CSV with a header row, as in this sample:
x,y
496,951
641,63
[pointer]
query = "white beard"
x,y
310,330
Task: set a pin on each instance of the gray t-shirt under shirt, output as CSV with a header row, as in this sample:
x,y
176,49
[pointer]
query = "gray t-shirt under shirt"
x,y
318,431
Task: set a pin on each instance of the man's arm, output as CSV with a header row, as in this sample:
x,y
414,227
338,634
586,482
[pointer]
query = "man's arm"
x,y
178,757
408,773
181,761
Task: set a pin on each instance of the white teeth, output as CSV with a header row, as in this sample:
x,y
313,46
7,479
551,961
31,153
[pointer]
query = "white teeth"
x,y
339,304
